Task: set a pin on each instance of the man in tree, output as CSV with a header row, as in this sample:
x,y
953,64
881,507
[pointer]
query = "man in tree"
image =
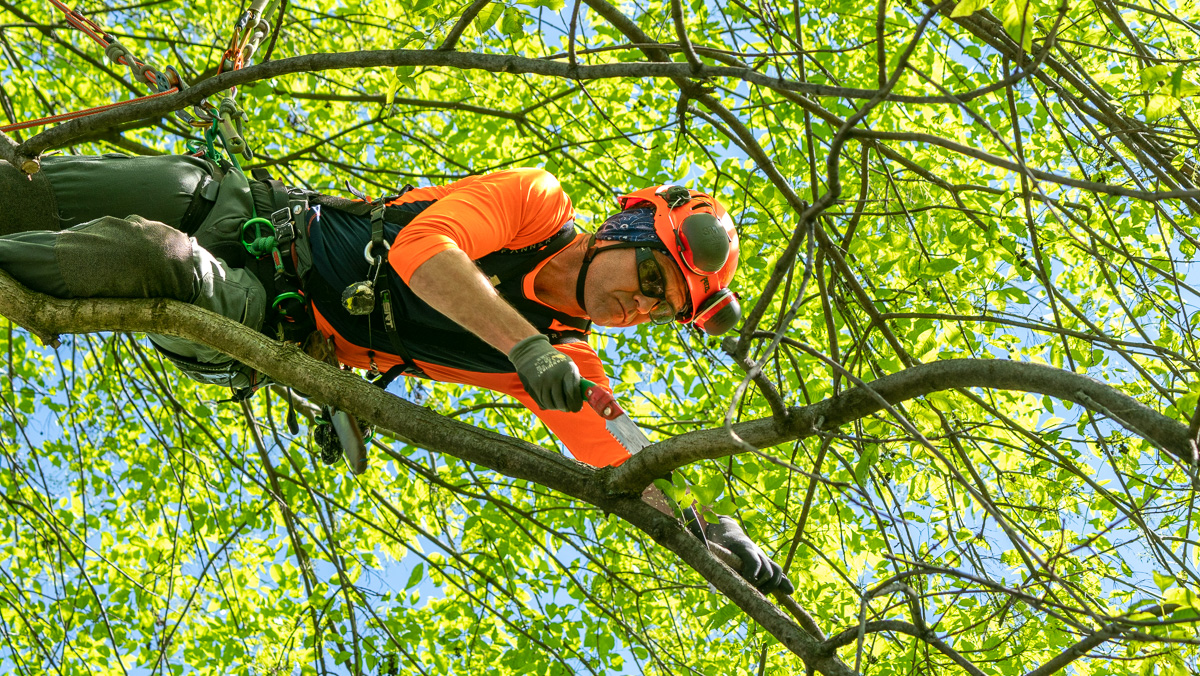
x,y
484,281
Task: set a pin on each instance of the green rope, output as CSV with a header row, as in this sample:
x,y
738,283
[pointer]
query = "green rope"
x,y
258,244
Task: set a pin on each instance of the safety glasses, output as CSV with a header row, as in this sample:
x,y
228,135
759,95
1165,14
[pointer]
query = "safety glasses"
x,y
653,283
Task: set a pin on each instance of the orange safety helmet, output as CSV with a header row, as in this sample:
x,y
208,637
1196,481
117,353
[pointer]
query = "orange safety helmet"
x,y
696,230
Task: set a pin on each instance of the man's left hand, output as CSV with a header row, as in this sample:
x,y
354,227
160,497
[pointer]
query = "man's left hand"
x,y
549,376
757,568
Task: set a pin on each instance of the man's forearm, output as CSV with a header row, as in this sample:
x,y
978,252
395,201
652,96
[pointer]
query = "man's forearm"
x,y
451,283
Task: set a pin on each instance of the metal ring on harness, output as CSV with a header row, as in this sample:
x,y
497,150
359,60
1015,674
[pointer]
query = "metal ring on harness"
x,y
367,251
284,297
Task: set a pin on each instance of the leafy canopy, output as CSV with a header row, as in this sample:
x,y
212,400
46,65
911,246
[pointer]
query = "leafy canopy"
x,y
986,178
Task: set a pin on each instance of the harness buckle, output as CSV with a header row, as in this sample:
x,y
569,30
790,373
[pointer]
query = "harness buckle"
x,y
285,230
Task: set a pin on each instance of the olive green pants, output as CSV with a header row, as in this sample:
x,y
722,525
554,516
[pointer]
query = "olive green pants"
x,y
134,227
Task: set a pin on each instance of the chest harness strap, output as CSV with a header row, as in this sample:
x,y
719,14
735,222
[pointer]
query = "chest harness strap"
x,y
359,297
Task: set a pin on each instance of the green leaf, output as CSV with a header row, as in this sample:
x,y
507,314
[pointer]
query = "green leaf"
x,y
1017,16
722,616
968,7
869,457
940,266
552,5
401,76
1152,77
707,492
513,23
1160,106
1163,581
416,576
1181,88
487,17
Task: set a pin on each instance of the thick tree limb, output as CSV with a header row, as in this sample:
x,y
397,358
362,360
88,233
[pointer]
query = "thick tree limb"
x,y
64,133
48,317
657,459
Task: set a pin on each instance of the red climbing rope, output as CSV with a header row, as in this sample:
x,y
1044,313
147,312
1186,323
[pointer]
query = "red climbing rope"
x,y
116,52
81,113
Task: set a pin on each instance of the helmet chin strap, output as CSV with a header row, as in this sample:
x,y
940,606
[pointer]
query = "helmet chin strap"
x,y
581,281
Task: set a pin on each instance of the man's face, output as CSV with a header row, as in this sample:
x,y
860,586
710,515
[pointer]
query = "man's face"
x,y
613,294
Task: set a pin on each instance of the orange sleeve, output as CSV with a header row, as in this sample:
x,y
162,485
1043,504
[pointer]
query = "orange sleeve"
x,y
582,432
481,214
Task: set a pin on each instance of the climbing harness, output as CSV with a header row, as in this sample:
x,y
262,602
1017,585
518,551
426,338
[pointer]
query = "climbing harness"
x,y
272,236
359,297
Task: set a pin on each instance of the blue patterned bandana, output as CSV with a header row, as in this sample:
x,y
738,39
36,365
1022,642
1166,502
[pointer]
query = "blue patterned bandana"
x,y
634,225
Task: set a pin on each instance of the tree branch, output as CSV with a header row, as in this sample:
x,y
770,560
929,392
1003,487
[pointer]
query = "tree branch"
x,y
1094,186
163,105
850,635
461,25
1076,651
918,381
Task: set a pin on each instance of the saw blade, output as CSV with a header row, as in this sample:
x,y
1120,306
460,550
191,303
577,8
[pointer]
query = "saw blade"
x,y
351,438
616,421
627,433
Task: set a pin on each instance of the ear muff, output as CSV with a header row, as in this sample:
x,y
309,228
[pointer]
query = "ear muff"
x,y
703,243
720,313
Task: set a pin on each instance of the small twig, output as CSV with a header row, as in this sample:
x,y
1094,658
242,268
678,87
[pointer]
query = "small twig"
x,y
463,21
848,636
10,152
681,32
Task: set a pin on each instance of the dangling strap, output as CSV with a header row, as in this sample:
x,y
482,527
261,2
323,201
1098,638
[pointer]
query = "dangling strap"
x,y
393,331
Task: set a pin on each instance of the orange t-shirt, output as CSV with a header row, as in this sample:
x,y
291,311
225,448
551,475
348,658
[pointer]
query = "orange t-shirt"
x,y
507,209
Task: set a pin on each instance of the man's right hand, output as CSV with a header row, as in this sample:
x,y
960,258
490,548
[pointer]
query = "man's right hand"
x,y
549,376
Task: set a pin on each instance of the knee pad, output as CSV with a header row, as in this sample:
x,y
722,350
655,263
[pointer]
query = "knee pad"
x,y
232,292
126,258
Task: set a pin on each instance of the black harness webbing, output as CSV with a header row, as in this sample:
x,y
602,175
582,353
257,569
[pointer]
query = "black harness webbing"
x,y
581,281
290,304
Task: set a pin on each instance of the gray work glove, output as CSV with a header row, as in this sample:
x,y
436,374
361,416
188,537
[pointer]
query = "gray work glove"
x,y
757,568
549,376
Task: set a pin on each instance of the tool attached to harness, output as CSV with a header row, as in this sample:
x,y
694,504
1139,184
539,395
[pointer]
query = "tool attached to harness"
x,y
359,298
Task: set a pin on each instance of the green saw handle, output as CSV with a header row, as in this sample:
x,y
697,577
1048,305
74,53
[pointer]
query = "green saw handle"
x,y
601,400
